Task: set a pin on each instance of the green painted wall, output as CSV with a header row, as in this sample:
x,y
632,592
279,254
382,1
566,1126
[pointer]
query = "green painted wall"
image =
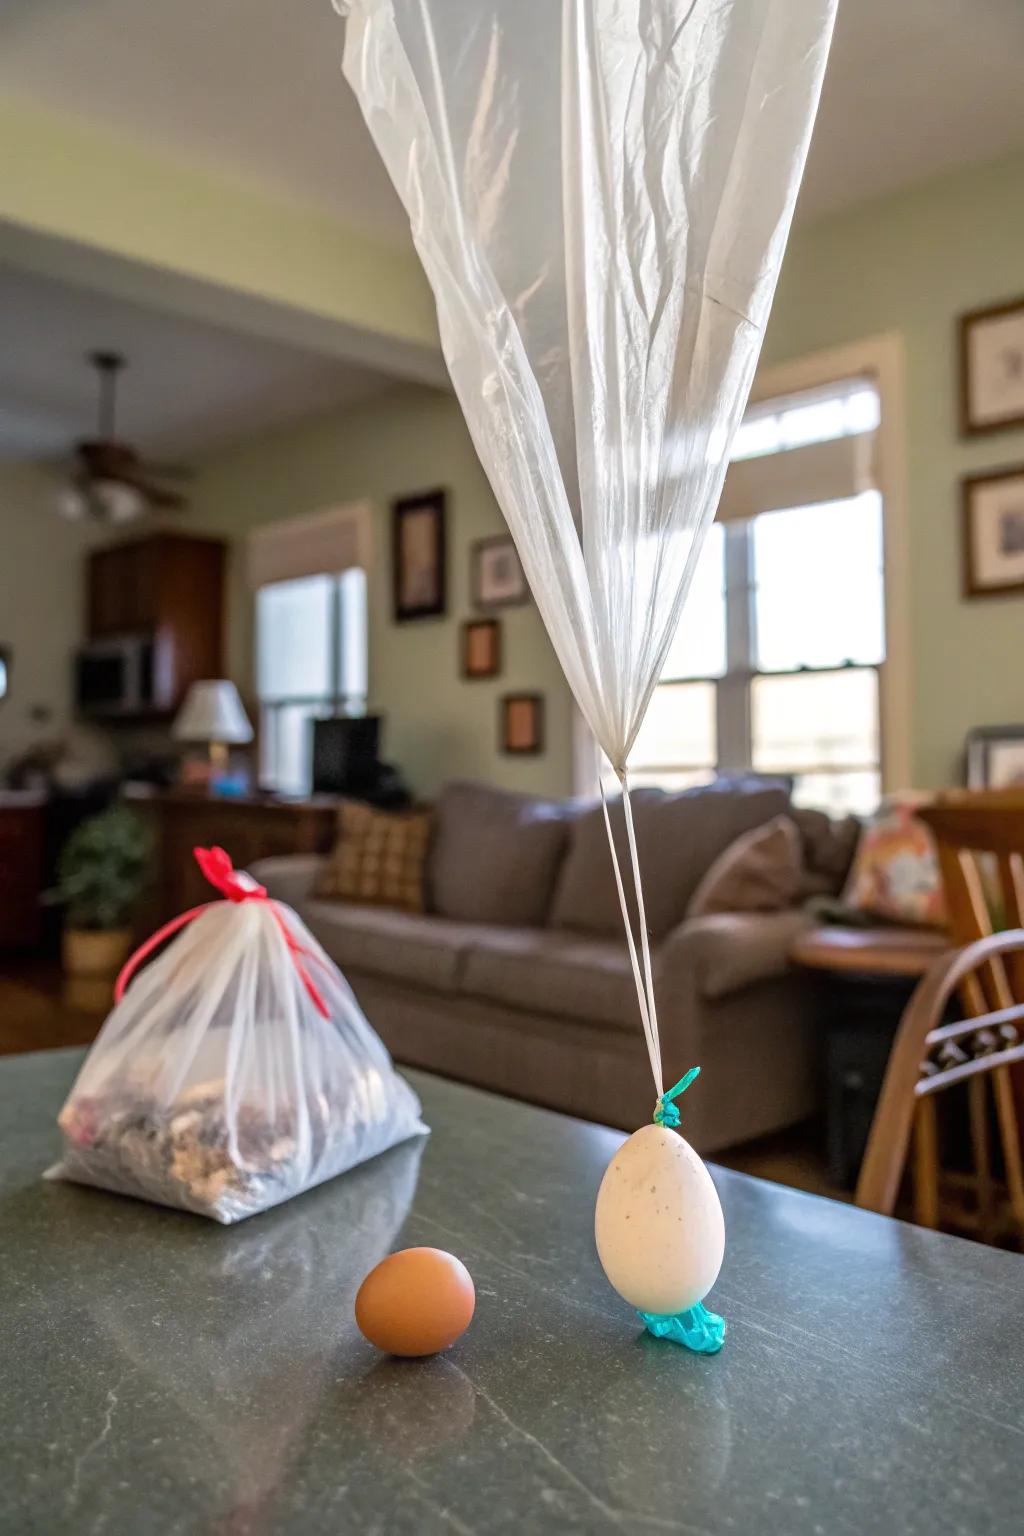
x,y
75,182
912,263
410,439
42,588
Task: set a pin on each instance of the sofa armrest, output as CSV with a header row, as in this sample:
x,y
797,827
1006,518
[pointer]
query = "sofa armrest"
x,y
722,953
289,878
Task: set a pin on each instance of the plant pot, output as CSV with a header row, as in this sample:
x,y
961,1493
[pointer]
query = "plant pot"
x,y
95,952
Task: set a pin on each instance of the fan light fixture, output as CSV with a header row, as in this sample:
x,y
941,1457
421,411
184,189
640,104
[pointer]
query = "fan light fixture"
x,y
103,501
109,481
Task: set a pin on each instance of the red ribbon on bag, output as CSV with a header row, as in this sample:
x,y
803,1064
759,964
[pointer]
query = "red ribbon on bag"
x,y
235,885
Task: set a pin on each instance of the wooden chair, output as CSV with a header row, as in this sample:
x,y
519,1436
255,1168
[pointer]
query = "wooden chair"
x,y
929,1056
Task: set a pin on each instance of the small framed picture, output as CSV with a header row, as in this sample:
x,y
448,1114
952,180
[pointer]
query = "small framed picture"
x,y
993,533
992,368
418,556
995,757
496,577
481,648
522,723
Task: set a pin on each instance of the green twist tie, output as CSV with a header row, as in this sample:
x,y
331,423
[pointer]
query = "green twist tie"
x,y
665,1111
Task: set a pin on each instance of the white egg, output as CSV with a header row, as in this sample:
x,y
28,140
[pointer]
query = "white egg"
x,y
658,1223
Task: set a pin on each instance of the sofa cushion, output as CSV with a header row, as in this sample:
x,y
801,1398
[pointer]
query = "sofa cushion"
x,y
495,855
678,839
541,971
379,858
401,946
762,871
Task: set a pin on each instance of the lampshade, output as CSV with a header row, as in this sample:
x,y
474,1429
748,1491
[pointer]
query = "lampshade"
x,y
212,712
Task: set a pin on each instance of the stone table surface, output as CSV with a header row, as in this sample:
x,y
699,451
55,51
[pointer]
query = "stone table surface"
x,y
163,1374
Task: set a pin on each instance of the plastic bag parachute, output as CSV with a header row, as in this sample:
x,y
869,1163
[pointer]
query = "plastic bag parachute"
x,y
600,192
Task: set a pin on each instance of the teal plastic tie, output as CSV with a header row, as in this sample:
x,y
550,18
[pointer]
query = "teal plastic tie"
x,y
696,1328
666,1112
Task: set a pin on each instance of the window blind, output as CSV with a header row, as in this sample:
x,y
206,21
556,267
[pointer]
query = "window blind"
x,y
321,543
803,451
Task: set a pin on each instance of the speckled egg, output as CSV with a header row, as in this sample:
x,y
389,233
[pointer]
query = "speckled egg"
x,y
658,1224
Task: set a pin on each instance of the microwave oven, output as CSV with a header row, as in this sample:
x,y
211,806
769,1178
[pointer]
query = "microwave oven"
x,y
116,676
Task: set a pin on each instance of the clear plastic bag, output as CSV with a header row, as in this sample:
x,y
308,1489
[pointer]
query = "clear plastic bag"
x,y
600,193
236,1071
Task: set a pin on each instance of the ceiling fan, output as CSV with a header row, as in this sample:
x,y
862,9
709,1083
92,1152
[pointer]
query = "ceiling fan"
x,y
109,482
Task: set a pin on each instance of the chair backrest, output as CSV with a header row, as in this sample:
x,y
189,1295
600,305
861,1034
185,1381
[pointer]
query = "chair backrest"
x,y
929,1056
980,839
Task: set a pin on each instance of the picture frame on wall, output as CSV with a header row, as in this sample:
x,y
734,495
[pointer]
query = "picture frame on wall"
x,y
993,532
521,724
419,556
496,575
995,757
992,368
481,648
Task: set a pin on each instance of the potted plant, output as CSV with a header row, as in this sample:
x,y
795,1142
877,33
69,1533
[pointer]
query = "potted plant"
x,y
101,873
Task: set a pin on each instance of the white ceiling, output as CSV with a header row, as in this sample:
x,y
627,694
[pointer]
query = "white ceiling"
x,y
188,386
254,88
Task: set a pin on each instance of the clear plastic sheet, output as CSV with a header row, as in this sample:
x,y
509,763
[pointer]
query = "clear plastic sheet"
x,y
600,192
218,1086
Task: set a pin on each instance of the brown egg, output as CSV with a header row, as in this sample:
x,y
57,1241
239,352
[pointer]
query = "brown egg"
x,y
415,1302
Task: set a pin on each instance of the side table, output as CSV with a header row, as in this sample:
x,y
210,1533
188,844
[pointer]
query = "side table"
x,y
867,976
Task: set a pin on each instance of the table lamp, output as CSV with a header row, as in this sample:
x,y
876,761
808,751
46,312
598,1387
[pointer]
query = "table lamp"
x,y
213,713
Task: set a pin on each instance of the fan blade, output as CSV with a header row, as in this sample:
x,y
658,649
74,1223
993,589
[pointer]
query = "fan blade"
x,y
168,471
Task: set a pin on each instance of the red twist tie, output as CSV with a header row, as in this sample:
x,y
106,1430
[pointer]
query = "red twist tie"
x,y
237,886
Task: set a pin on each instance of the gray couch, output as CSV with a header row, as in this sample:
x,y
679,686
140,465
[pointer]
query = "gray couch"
x,y
517,978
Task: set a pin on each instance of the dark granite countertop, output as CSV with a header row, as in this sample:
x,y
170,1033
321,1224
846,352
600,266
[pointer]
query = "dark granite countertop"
x,y
163,1374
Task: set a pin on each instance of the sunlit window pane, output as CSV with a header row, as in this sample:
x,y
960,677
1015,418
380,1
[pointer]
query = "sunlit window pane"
x,y
818,576
698,649
815,720
819,419
655,778
856,793
679,731
293,629
352,636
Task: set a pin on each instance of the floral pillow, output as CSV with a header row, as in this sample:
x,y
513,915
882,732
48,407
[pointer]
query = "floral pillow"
x,y
895,874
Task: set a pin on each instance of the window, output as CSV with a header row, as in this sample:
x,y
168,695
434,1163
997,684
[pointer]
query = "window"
x,y
776,663
311,662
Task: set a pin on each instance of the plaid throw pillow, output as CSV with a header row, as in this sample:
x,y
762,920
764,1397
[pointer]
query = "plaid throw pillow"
x,y
379,857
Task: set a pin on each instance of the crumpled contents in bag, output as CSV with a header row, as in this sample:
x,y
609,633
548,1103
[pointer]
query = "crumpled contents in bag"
x,y
189,1154
236,1070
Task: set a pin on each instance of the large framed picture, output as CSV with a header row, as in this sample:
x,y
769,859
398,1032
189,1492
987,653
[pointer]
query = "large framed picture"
x,y
995,757
992,368
418,555
993,533
496,577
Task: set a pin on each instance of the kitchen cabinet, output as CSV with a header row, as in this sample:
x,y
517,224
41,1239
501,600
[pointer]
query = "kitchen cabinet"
x,y
22,835
168,588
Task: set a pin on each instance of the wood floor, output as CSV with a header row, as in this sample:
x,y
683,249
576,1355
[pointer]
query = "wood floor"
x,y
40,1010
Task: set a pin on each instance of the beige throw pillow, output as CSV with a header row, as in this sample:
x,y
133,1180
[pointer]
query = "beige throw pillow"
x,y
762,871
379,858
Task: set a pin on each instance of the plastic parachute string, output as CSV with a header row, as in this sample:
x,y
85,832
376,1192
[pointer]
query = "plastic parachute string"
x,y
600,192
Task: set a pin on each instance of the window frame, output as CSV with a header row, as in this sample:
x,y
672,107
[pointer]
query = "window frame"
x,y
334,701
879,359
